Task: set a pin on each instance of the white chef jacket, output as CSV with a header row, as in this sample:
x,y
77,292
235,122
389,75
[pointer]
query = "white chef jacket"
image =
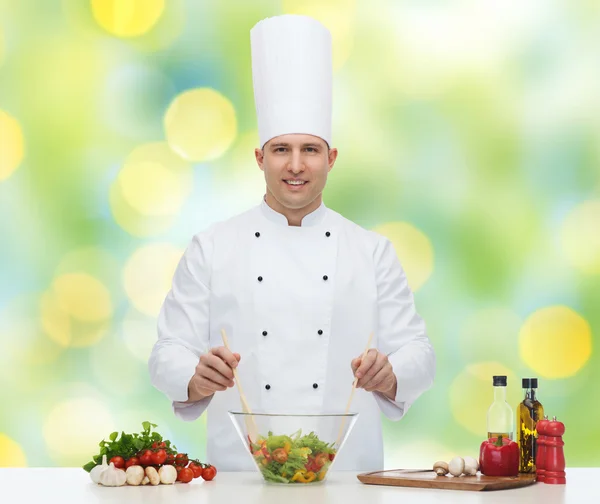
x,y
298,303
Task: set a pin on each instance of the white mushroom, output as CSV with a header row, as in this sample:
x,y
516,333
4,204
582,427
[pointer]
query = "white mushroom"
x,y
471,466
145,481
152,475
135,474
168,474
456,466
440,468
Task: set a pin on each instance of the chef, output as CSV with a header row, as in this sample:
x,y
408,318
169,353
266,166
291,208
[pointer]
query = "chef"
x,y
297,288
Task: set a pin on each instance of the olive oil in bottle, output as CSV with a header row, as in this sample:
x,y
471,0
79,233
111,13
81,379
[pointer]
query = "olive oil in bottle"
x,y
529,412
500,419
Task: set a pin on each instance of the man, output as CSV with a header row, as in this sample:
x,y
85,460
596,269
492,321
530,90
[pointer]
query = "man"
x,y
297,287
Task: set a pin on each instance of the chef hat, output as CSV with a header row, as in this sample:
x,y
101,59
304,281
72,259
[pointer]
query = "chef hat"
x,y
292,77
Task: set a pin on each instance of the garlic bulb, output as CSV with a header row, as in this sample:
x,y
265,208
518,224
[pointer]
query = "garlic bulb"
x,y
111,476
97,471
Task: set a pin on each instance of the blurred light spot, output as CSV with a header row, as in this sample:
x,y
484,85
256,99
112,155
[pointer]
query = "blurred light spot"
x,y
238,180
200,124
580,236
132,221
83,297
74,428
555,342
94,261
55,321
148,275
487,330
472,392
155,181
24,342
127,18
139,334
114,370
134,99
11,145
338,16
414,251
11,453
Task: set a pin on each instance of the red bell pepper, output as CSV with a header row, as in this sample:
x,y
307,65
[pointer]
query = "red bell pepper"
x,y
499,457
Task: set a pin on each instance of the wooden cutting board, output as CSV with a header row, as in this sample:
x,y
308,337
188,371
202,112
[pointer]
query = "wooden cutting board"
x,y
429,479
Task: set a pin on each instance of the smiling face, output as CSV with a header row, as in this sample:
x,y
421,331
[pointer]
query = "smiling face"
x,y
296,168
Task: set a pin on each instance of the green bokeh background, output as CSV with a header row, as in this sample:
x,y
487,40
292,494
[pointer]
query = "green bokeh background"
x,y
477,123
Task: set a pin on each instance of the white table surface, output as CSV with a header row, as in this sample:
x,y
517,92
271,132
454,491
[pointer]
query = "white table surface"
x,y
73,485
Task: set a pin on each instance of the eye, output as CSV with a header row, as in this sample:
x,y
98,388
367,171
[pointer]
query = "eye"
x,y
279,149
311,149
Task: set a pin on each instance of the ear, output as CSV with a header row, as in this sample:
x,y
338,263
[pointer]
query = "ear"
x,y
333,153
259,155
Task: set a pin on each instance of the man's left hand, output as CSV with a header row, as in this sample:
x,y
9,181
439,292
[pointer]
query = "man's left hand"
x,y
375,373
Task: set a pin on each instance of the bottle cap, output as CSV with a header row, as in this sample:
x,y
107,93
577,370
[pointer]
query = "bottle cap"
x,y
499,381
530,383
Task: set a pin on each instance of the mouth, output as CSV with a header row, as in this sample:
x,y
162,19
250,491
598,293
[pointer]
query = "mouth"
x,y
295,183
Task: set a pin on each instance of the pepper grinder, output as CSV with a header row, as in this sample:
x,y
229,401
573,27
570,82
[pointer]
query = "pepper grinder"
x,y
540,460
555,457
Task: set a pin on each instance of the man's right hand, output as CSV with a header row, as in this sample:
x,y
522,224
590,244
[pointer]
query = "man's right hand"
x,y
213,373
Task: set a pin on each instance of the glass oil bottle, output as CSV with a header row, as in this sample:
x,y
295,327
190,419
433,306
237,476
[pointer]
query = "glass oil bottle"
x,y
500,419
530,410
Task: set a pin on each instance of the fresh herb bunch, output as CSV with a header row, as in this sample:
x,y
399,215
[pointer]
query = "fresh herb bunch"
x,y
130,445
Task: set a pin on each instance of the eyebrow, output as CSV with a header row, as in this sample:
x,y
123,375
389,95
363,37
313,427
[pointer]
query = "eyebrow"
x,y
283,144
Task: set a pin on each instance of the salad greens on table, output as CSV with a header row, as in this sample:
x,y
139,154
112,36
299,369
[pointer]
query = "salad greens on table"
x,y
292,459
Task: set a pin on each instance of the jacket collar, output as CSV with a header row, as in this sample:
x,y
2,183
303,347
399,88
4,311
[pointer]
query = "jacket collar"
x,y
312,219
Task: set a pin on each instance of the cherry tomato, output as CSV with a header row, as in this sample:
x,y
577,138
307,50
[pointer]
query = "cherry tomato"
x,y
196,469
208,473
156,445
170,459
181,459
185,475
280,455
146,458
131,462
321,459
119,462
159,457
331,457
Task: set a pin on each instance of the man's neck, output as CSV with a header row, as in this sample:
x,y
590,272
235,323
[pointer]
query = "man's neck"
x,y
294,216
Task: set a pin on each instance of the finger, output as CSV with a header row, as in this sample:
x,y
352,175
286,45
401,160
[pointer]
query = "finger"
x,y
354,364
212,375
377,366
225,355
208,387
381,377
237,356
366,363
217,364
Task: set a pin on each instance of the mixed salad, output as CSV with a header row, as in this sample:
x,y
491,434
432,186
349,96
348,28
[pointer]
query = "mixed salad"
x,y
292,459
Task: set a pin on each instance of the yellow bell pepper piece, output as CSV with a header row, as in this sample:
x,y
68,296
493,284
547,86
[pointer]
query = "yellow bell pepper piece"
x,y
299,474
287,447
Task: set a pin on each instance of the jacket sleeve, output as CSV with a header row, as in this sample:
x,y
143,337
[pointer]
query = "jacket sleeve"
x,y
402,334
183,329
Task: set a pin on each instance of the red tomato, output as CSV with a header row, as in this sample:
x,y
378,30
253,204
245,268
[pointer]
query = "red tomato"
x,y
208,473
146,458
185,475
196,469
159,457
170,459
321,459
280,455
131,462
119,462
156,445
331,457
181,459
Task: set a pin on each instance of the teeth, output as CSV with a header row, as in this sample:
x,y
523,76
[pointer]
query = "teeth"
x,y
295,182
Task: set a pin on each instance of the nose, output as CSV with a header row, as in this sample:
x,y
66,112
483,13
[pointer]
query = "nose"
x,y
296,164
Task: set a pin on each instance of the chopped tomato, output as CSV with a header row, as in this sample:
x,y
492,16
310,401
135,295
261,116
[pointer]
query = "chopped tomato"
x,y
280,455
321,459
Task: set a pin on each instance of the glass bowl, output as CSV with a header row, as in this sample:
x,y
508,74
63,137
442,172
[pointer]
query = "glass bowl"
x,y
293,448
